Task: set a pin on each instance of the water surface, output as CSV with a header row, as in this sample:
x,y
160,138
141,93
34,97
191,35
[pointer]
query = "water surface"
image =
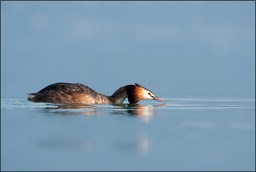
x,y
200,56
181,134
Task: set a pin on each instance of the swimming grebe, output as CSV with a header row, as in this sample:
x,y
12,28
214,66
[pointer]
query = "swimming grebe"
x,y
69,93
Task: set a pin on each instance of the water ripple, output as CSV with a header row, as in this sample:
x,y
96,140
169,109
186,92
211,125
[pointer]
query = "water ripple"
x,y
143,107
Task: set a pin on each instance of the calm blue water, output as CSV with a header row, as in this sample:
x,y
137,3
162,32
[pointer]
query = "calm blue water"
x,y
199,56
181,134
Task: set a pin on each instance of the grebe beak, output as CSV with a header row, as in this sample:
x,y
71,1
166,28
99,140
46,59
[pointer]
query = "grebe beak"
x,y
158,99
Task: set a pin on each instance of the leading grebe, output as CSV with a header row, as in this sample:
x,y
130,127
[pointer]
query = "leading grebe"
x,y
69,93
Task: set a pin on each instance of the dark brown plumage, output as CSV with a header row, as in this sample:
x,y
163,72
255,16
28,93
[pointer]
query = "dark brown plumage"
x,y
69,93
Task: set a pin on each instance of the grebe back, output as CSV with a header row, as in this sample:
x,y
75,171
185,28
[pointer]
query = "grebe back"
x,y
69,93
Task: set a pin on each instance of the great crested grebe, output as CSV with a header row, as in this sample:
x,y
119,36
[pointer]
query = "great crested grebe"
x,y
69,93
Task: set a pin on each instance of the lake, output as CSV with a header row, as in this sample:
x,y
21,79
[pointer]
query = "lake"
x,y
180,134
199,56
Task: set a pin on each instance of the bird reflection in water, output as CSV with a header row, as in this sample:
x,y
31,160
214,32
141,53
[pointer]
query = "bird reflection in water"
x,y
145,112
141,143
72,109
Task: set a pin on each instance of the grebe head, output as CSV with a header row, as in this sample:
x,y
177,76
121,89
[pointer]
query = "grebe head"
x,y
137,92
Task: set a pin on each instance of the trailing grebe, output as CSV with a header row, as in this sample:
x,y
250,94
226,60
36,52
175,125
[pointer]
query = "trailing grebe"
x,y
68,93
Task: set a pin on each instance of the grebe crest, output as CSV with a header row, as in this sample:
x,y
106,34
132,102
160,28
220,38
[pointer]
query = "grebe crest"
x,y
69,93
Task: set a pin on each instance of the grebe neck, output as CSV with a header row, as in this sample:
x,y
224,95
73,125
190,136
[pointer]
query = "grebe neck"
x,y
119,95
